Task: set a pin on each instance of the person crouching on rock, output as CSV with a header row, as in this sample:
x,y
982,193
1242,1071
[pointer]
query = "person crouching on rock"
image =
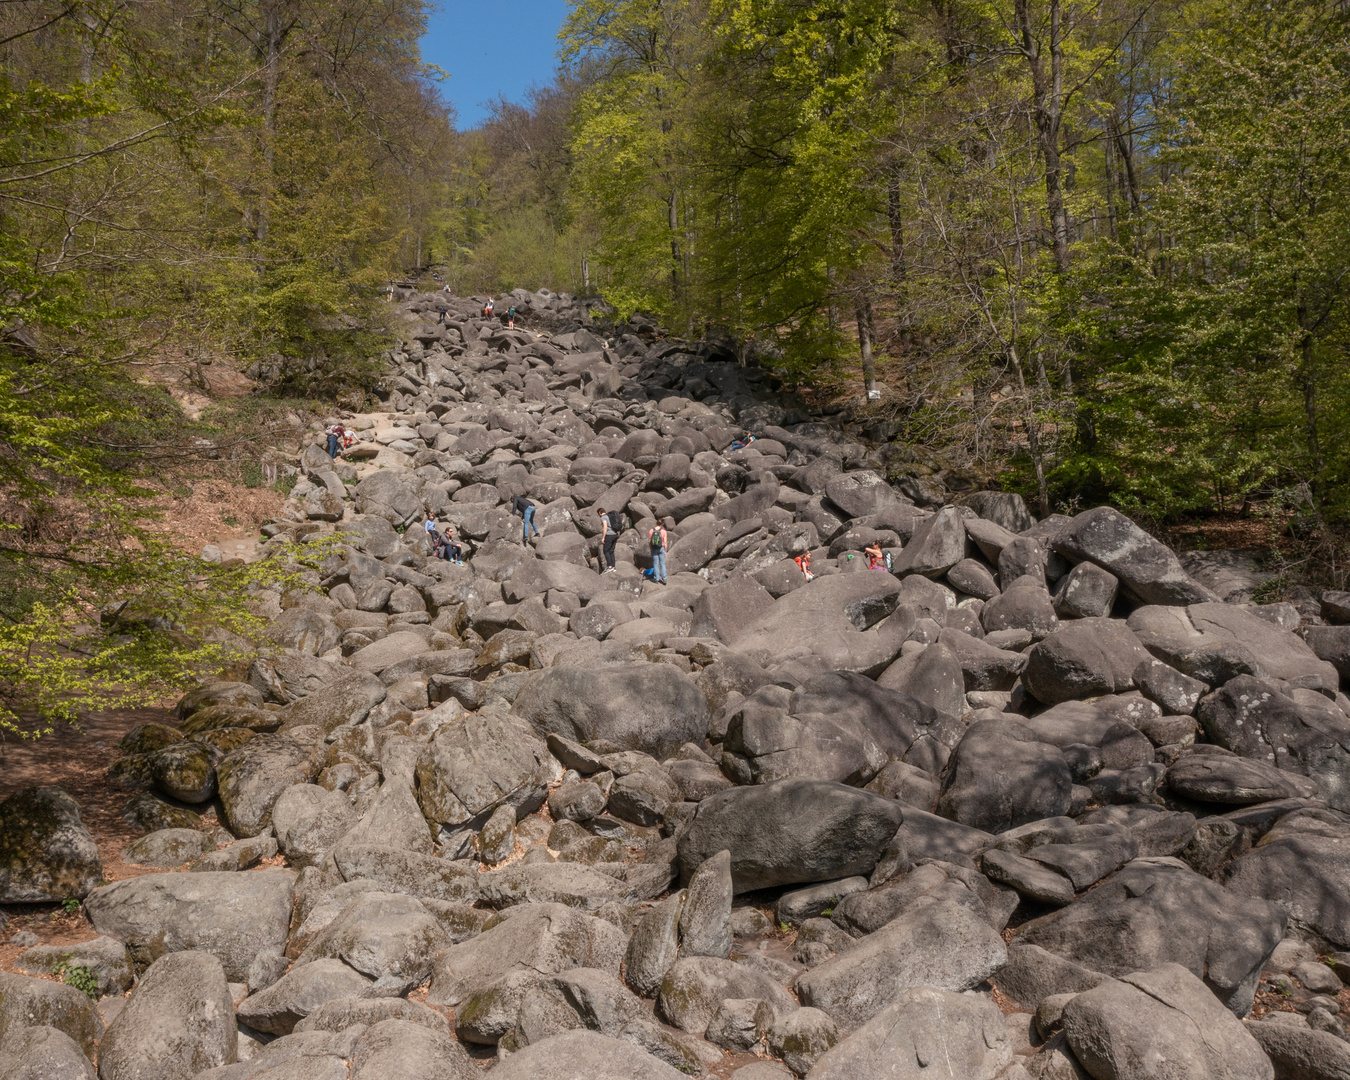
x,y
874,556
610,526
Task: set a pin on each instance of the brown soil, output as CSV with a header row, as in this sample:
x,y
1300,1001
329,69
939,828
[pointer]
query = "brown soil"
x,y
76,760
196,514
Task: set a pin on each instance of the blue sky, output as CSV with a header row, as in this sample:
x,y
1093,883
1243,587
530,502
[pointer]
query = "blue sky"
x,y
491,49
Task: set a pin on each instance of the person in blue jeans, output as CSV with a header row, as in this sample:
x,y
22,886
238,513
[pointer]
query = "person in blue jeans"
x,y
658,539
522,506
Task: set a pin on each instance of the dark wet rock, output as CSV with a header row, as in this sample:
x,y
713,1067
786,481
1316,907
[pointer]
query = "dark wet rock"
x,y
790,832
46,852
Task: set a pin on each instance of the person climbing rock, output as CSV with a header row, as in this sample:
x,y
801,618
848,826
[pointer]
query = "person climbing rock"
x,y
611,524
525,508
658,539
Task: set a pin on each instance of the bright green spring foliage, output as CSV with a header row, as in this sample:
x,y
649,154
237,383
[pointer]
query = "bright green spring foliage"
x,y
1099,248
1223,351
238,180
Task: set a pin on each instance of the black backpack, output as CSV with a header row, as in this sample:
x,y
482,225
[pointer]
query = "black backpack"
x,y
615,522
656,543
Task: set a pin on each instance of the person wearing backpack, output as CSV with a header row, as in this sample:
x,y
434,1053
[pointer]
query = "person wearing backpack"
x,y
611,524
522,506
658,539
511,317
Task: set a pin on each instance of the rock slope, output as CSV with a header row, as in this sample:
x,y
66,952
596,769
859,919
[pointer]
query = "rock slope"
x,y
522,815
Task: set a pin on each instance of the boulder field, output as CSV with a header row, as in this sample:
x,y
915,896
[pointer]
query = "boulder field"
x,y
1025,800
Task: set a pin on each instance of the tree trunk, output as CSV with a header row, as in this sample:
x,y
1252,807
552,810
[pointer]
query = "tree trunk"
x,y
675,261
271,78
1048,112
1308,379
1033,434
864,312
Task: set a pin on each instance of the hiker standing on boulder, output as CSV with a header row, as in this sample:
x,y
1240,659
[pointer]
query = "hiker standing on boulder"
x,y
511,317
522,506
610,526
487,309
658,539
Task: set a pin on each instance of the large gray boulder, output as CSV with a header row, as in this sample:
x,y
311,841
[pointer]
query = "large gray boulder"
x,y
1302,866
724,610
414,873
938,544
1234,781
381,934
860,492
348,699
184,771
573,884
44,1053
923,1034
230,915
582,1053
168,848
46,853
489,759
106,958
1299,1052
544,938
278,1008
251,779
178,1022
1157,1023
393,820
410,1051
1218,642
1253,718
29,1003
934,942
933,676
705,921
378,656
1147,569
649,707
1157,910
309,820
1082,659
778,745
694,987
985,666
654,945
842,619
790,831
1001,776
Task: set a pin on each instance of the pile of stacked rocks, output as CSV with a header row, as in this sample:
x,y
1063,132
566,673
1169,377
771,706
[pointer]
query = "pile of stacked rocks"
x,y
1033,802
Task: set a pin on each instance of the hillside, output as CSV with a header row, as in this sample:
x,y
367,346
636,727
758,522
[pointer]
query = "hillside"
x,y
1027,791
